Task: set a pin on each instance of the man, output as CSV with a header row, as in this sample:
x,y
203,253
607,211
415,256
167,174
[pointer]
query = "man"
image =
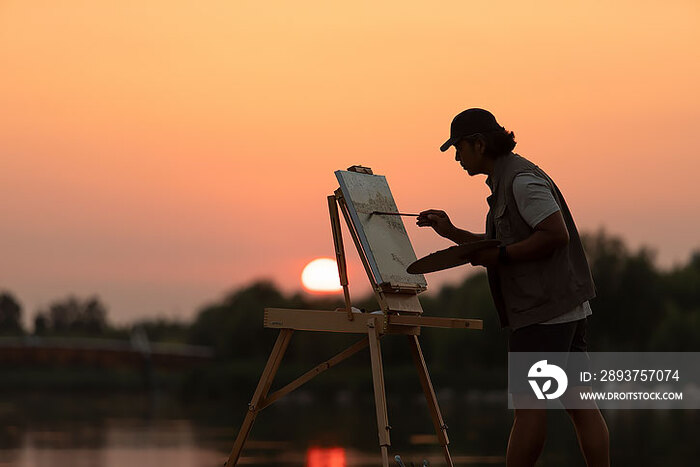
x,y
539,276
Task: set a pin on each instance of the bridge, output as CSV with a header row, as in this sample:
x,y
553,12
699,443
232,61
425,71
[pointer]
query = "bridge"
x,y
97,352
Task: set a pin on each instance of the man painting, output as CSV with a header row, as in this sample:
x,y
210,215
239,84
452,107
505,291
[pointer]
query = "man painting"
x,y
539,276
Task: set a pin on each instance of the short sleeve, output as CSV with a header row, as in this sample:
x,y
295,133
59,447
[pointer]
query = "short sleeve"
x,y
534,198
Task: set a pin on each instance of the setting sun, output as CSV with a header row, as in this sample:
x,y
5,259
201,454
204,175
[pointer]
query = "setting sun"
x,y
321,275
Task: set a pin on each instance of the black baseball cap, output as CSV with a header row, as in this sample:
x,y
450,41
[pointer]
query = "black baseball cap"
x,y
470,122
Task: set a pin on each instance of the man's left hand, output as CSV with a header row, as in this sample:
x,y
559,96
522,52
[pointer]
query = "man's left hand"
x,y
487,257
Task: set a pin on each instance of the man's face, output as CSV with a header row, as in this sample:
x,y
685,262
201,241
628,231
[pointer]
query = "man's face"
x,y
468,157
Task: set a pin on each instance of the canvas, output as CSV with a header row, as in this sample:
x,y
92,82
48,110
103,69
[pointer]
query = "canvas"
x,y
383,238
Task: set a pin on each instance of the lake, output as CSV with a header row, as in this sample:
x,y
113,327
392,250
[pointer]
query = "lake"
x,y
307,429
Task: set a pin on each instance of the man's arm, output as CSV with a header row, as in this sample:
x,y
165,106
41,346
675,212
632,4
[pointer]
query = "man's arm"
x,y
464,236
548,235
441,223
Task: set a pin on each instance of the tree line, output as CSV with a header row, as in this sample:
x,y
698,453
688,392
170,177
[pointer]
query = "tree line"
x,y
639,307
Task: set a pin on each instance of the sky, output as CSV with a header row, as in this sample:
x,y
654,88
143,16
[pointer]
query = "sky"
x,y
160,154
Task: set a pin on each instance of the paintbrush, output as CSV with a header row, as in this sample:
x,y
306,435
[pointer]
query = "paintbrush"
x,y
393,213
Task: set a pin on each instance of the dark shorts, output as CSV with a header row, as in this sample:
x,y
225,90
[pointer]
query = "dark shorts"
x,y
562,338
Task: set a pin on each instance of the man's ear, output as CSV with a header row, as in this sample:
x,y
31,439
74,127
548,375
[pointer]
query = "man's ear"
x,y
480,145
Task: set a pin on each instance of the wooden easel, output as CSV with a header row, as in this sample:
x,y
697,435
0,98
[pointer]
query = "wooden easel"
x,y
401,314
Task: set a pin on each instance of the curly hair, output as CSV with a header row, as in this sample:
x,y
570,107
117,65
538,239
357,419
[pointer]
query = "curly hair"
x,y
498,143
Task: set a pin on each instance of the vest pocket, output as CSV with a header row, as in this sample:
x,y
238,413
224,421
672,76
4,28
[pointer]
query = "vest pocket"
x,y
502,224
524,291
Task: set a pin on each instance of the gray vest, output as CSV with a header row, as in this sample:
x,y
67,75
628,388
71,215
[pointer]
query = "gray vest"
x,y
530,292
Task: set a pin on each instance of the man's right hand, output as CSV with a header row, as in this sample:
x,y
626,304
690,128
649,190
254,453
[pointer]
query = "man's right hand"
x,y
438,220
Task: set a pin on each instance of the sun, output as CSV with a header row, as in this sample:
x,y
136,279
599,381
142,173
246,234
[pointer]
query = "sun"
x,y
321,275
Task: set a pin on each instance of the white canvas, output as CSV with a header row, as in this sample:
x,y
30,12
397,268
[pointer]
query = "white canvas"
x,y
384,238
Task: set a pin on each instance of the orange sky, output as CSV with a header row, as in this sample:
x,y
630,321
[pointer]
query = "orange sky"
x,y
160,155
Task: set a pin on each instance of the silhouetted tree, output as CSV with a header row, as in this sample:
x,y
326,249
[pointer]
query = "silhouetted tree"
x,y
679,328
41,324
10,315
630,300
73,317
234,326
682,284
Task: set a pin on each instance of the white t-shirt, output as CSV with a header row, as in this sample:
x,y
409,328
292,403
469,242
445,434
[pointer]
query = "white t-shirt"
x,y
535,203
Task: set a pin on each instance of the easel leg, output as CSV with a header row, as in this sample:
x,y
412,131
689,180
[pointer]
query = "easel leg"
x,y
379,392
268,375
440,427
